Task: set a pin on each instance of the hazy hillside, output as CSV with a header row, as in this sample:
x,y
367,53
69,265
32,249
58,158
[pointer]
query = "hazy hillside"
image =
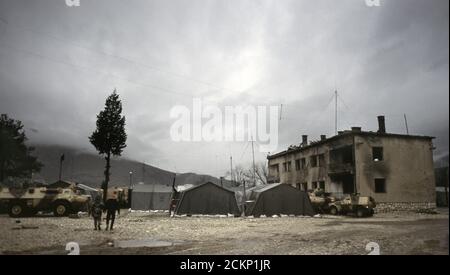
x,y
442,161
88,168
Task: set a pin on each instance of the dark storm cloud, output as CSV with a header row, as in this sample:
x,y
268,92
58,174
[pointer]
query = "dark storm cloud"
x,y
58,64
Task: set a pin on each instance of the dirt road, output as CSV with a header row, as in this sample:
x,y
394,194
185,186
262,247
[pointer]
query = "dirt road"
x,y
402,233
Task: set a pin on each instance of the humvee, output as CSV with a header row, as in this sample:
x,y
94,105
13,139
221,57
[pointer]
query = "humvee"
x,y
361,206
28,201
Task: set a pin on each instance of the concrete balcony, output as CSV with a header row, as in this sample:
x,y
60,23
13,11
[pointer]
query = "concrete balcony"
x,y
341,168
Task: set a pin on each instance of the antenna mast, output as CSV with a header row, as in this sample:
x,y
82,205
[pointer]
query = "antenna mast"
x,y
335,112
231,169
406,124
254,167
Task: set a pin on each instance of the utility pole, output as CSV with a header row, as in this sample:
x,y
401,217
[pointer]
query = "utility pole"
x,y
231,169
254,167
131,179
281,111
244,198
335,112
143,172
71,167
61,159
406,124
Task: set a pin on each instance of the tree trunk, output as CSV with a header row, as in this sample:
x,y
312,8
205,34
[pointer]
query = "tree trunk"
x,y
105,187
2,171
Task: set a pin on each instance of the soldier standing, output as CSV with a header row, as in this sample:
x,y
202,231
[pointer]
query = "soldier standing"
x,y
96,212
112,205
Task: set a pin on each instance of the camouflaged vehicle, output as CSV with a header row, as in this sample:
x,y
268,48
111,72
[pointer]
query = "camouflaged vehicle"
x,y
28,201
361,206
321,201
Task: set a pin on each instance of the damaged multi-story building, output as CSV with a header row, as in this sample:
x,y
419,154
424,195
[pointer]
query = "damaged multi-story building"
x,y
395,169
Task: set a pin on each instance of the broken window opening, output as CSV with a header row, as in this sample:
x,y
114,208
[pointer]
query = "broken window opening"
x,y
322,185
342,155
275,169
377,153
380,185
313,161
287,166
303,163
348,185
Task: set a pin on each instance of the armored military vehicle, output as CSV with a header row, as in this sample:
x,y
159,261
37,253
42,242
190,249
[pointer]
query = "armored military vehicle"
x,y
28,201
320,201
361,206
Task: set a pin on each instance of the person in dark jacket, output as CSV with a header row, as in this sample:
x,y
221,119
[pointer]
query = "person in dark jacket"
x,y
112,205
96,211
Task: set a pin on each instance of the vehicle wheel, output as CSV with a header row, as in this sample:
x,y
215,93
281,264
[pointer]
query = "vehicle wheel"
x,y
16,210
334,210
61,209
361,212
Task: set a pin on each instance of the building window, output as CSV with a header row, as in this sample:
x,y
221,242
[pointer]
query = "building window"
x,y
287,166
377,153
380,185
303,163
322,185
313,161
314,185
297,164
321,160
275,169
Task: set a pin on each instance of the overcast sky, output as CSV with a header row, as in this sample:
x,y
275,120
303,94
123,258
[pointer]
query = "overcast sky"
x,y
58,64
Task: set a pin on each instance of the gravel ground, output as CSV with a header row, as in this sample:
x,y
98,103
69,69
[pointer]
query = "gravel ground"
x,y
400,233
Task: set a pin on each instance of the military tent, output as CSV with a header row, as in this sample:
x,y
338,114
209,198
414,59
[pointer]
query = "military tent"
x,y
277,199
206,199
150,197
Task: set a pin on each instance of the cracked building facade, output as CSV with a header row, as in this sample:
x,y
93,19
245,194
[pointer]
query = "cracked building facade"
x,y
395,169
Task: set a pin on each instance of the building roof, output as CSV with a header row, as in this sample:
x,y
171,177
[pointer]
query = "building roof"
x,y
342,135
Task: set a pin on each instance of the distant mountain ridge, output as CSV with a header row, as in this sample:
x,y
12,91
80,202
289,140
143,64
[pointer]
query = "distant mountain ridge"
x,y
88,168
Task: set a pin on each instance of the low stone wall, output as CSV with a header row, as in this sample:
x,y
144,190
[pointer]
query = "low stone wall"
x,y
424,207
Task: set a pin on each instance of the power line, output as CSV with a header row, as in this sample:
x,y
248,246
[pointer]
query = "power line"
x,y
342,101
335,113
82,68
151,67
245,150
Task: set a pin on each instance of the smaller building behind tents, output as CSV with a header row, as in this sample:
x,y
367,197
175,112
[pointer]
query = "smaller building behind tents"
x,y
150,197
